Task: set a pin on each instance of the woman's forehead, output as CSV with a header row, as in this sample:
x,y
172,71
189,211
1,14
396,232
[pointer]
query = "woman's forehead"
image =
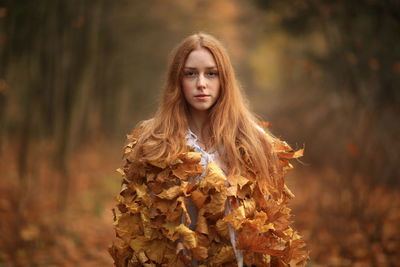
x,y
201,57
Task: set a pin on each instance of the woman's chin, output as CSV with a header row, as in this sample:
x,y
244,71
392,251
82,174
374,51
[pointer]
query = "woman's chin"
x,y
200,108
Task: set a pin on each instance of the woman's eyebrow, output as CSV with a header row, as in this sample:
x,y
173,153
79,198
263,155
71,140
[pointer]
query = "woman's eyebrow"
x,y
193,68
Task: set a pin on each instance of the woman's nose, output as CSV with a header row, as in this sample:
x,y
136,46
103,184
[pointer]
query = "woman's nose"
x,y
201,82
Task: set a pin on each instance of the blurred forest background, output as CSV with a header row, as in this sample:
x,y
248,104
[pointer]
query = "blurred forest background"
x,y
77,75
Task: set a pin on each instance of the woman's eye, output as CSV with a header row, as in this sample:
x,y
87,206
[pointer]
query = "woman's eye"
x,y
190,73
212,73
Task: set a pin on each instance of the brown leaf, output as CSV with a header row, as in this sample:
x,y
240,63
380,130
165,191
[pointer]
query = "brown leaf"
x,y
249,206
224,255
288,193
127,226
292,154
159,164
187,170
164,176
250,240
154,249
200,253
191,157
214,178
201,226
198,198
171,192
216,205
187,236
169,229
236,217
142,192
190,167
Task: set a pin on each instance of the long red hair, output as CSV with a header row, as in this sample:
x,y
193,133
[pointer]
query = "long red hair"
x,y
232,125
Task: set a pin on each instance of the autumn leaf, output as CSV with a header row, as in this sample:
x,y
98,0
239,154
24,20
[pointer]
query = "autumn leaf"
x,y
222,228
187,236
224,255
190,157
154,249
200,253
214,178
171,192
236,217
216,204
169,229
251,240
189,167
127,225
249,207
187,170
198,198
292,154
201,226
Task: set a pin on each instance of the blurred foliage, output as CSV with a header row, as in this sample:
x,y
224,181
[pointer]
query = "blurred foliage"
x,y
338,51
75,76
338,70
357,35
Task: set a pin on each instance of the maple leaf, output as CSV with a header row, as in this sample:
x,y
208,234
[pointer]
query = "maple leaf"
x,y
189,165
200,253
187,236
127,225
250,239
171,192
236,217
216,205
224,255
198,198
214,178
201,226
222,228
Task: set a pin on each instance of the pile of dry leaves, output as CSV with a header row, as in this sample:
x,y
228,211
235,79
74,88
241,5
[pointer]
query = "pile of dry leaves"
x,y
150,229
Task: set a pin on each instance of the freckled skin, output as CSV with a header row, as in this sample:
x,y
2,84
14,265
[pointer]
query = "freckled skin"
x,y
200,82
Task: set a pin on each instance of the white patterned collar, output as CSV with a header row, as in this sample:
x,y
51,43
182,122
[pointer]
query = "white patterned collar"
x,y
193,141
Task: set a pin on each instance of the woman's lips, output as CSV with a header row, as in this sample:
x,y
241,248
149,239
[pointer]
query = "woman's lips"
x,y
201,97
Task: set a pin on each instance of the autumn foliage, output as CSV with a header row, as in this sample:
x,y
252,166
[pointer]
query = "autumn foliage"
x,y
325,73
153,200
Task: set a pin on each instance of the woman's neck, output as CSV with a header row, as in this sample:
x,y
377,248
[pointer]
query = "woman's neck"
x,y
199,125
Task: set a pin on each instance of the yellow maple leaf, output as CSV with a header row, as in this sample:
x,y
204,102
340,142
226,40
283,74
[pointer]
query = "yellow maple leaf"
x,y
222,228
216,204
201,226
200,253
187,236
236,217
127,226
224,255
214,178
169,229
171,192
198,198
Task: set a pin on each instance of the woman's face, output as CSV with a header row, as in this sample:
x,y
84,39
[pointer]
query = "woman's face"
x,y
200,82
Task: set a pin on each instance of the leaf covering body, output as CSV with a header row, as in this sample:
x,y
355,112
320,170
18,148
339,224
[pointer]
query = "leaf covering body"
x,y
152,221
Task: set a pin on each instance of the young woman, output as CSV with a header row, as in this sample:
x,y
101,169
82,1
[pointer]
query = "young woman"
x,y
203,180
